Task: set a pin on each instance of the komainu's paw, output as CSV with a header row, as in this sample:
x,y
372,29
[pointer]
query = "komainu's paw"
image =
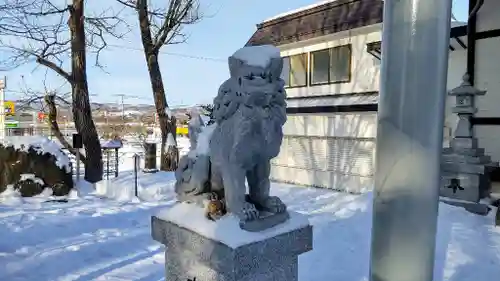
x,y
249,212
273,204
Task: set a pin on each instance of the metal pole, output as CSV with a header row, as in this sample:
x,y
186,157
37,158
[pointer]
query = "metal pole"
x,y
2,107
107,164
123,109
77,165
136,157
35,122
116,162
415,45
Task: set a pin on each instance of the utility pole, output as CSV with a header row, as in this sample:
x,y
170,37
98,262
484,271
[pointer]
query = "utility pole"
x,y
415,44
123,96
3,84
123,109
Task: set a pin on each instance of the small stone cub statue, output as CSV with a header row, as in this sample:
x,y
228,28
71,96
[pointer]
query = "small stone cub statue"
x,y
215,207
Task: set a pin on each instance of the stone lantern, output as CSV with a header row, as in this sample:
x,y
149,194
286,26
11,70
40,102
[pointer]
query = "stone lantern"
x,y
464,165
465,107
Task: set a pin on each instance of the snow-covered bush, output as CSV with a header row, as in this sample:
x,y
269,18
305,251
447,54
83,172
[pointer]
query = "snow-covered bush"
x,y
28,185
31,164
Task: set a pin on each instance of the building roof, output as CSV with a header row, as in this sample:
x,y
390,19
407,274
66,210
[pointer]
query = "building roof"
x,y
317,20
328,17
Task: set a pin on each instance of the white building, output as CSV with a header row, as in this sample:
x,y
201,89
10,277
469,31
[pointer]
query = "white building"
x,y
332,107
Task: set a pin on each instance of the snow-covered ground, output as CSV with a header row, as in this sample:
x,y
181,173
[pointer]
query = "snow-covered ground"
x,y
105,234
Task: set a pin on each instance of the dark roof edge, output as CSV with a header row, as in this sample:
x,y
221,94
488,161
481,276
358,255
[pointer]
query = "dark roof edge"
x,y
306,12
457,31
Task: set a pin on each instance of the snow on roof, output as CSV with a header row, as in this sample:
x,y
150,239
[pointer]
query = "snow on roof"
x,y
41,145
299,10
457,23
112,144
257,55
226,229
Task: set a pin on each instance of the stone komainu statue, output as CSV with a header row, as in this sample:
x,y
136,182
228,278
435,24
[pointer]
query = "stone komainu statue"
x,y
249,111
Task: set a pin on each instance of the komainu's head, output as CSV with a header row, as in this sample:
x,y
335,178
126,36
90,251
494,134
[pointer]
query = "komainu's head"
x,y
250,110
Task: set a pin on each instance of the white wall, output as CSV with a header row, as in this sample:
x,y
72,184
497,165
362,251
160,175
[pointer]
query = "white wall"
x,y
488,16
357,124
331,150
488,77
364,67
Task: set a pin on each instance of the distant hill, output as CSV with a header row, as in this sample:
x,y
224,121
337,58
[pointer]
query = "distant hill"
x,y
100,110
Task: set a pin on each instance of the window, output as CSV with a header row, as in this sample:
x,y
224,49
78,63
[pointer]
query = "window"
x,y
295,70
320,65
285,73
331,65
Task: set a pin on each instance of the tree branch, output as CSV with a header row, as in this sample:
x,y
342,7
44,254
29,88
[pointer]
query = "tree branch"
x,y
54,67
38,29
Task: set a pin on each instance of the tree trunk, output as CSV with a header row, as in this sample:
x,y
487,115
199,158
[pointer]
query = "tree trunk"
x,y
54,127
167,123
82,114
170,159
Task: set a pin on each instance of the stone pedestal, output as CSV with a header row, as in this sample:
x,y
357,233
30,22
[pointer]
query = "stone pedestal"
x,y
202,250
465,171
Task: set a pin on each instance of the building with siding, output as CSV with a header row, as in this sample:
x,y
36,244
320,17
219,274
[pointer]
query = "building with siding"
x,y
332,58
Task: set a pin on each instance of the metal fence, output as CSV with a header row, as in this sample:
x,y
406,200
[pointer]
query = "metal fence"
x,y
111,162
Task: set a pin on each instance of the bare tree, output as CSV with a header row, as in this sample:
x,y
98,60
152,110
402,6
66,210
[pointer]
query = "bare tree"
x,y
48,102
50,33
161,26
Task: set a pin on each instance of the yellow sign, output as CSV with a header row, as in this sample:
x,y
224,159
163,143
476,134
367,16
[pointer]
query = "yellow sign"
x,y
10,108
182,130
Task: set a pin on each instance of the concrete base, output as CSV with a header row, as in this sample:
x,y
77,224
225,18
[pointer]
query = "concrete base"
x,y
203,250
465,171
475,208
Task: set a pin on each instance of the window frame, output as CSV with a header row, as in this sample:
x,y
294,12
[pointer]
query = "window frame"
x,y
306,74
330,82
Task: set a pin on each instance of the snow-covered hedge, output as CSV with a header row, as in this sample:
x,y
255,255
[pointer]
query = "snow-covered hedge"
x,y
31,164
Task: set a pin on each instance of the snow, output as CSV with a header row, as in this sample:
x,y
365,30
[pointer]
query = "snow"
x,y
41,145
32,177
150,139
458,23
104,233
226,230
112,144
257,55
171,140
299,10
168,112
10,197
205,119
150,186
203,144
47,192
195,120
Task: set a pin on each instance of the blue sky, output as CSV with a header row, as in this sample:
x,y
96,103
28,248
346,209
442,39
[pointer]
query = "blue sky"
x,y
187,80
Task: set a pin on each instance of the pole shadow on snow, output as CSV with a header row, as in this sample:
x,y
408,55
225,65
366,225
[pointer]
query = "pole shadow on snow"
x,y
468,246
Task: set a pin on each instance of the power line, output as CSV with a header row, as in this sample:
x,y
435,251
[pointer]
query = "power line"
x,y
171,54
